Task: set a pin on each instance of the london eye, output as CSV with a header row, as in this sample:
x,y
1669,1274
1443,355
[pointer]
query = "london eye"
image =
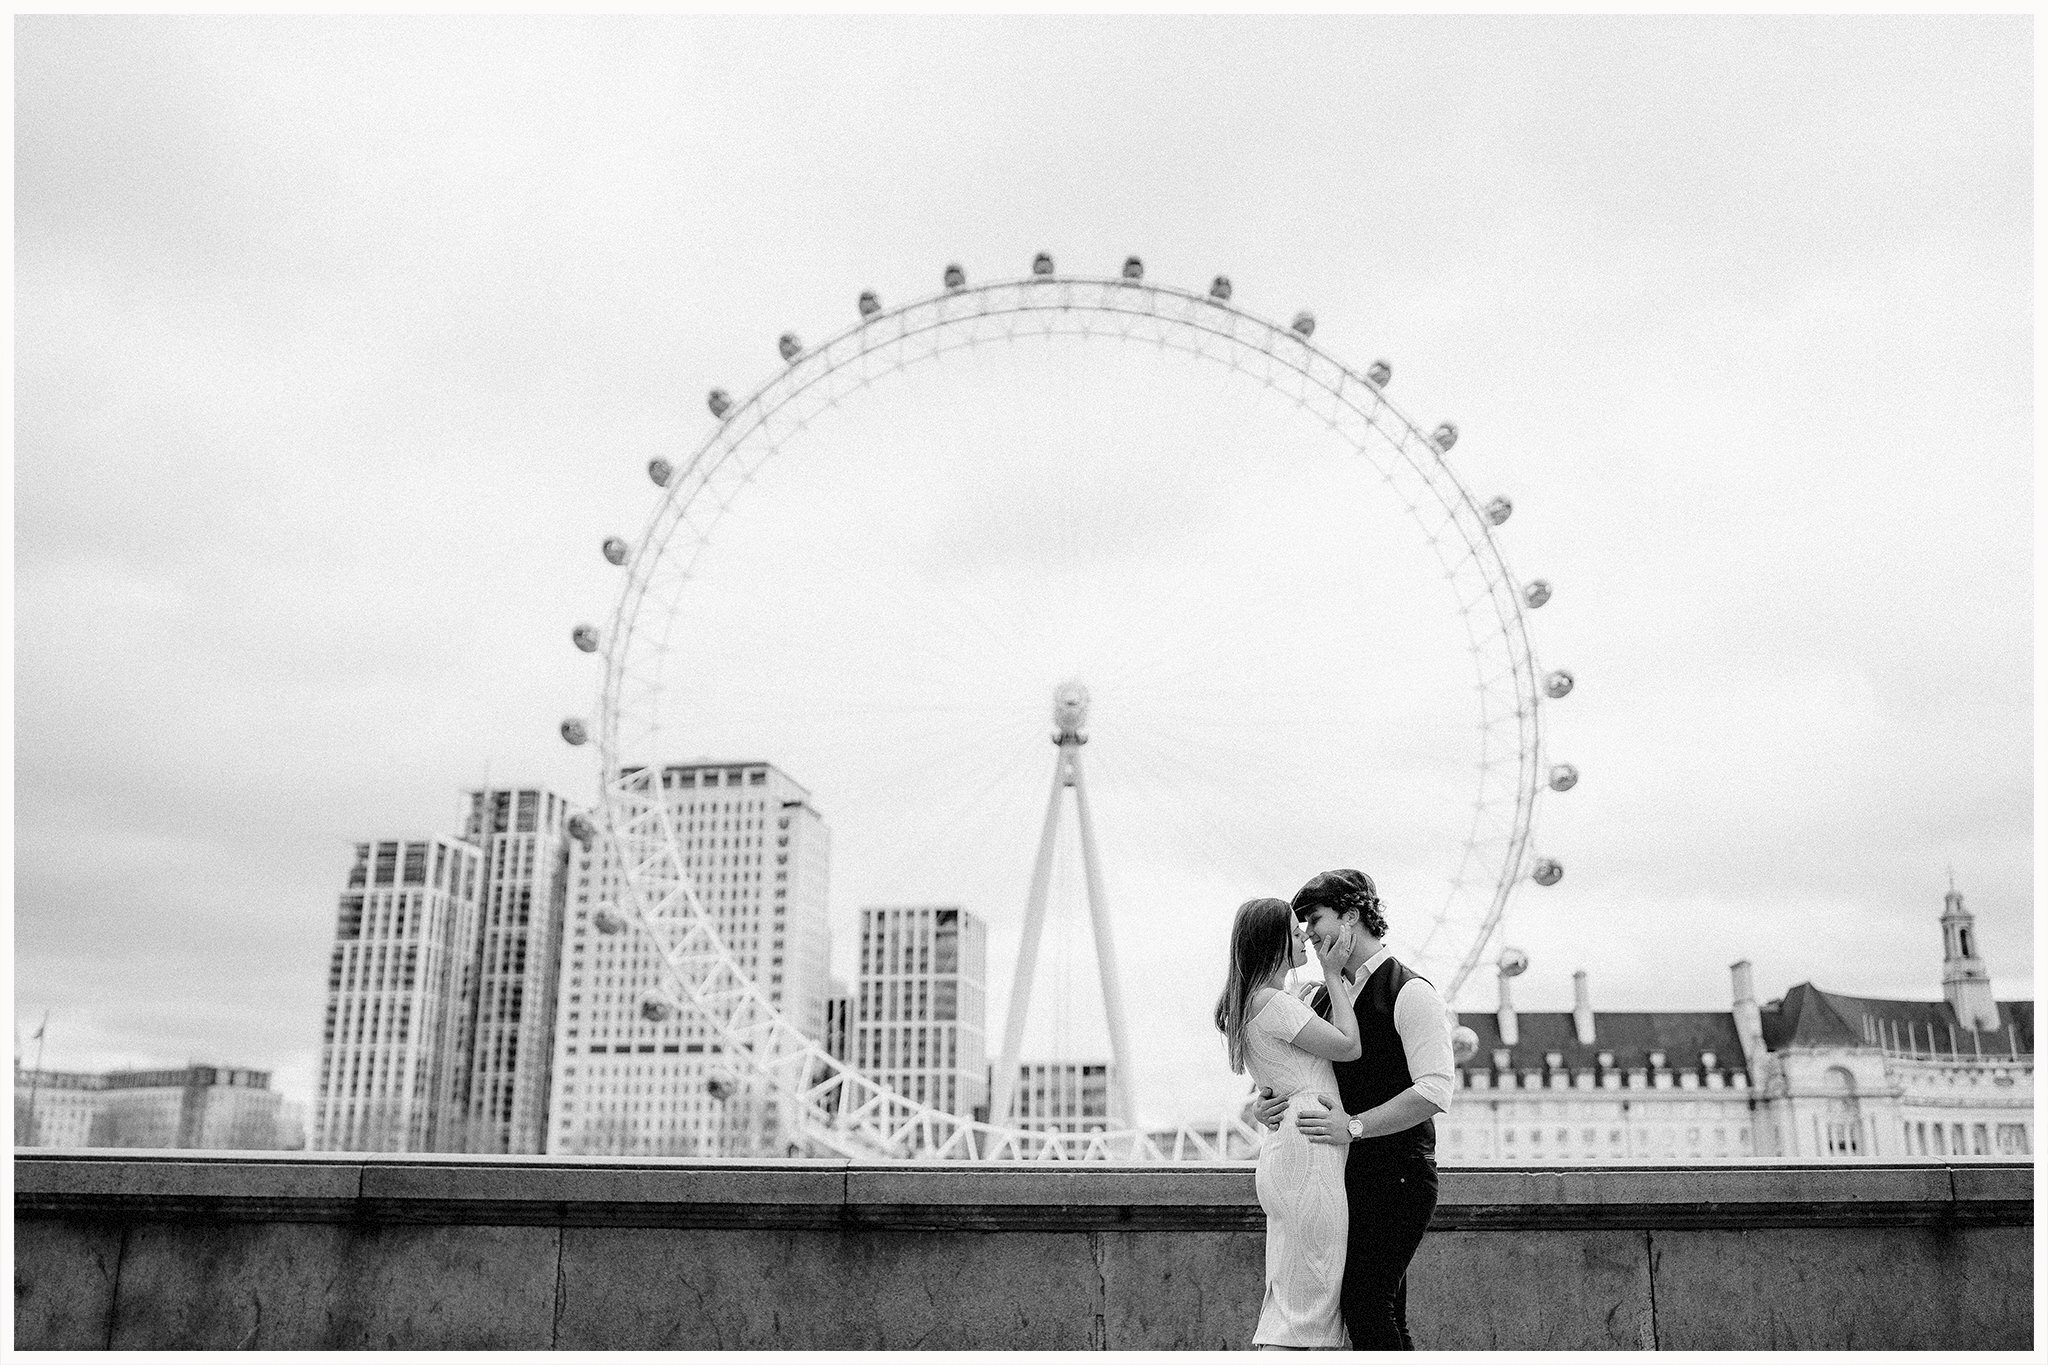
x,y
835,1107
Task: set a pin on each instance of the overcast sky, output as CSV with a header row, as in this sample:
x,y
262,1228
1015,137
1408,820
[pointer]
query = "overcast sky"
x,y
341,344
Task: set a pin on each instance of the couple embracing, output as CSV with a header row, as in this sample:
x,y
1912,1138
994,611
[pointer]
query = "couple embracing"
x,y
1351,1073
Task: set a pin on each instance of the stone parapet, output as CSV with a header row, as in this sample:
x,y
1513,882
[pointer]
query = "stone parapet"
x,y
311,1251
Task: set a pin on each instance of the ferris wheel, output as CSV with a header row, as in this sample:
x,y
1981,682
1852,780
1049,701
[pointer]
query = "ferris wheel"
x,y
837,1108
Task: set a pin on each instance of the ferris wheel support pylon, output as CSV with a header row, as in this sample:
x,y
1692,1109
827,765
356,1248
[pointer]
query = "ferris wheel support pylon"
x,y
1070,713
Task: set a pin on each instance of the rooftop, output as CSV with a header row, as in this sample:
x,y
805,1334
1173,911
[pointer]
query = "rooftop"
x,y
1682,1036
1808,1016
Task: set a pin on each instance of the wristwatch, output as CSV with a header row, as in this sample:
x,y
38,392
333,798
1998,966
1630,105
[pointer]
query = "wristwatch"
x,y
1356,1128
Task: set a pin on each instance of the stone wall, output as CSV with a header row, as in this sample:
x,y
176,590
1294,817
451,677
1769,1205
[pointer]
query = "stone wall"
x,y
313,1251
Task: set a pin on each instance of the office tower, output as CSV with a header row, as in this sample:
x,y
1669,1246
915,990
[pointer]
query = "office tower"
x,y
220,1108
508,1036
1070,1097
838,1037
291,1125
758,854
210,1107
397,996
55,1108
918,1026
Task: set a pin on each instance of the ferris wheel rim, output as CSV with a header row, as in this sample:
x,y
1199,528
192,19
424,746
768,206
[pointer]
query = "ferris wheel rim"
x,y
956,308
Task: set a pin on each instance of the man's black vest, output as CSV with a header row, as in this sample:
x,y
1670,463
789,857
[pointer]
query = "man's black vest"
x,y
1381,1071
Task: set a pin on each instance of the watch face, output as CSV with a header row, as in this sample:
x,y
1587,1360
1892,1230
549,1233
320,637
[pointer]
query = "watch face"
x,y
1356,1127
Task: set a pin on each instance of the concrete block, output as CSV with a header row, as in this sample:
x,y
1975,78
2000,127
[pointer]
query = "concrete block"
x,y
670,1289
1844,1288
1181,1290
182,1179
452,1287
64,1284
1753,1185
193,1286
991,1186
1991,1184
1530,1291
808,1183
1493,1188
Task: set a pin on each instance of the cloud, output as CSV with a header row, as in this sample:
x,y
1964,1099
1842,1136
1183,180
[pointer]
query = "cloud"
x,y
341,343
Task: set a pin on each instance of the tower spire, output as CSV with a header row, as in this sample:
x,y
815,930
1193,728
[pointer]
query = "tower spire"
x,y
1965,981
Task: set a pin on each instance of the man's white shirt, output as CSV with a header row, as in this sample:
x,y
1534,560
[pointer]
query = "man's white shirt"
x,y
1424,1028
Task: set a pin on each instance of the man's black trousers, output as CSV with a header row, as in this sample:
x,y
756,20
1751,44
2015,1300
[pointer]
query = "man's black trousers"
x,y
1391,1201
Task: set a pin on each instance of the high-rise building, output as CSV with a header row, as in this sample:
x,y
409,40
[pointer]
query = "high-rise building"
x,y
758,854
291,1125
918,1023
1070,1097
838,1037
398,992
508,1035
210,1107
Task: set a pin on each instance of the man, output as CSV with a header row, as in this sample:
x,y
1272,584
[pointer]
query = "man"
x,y
1390,1097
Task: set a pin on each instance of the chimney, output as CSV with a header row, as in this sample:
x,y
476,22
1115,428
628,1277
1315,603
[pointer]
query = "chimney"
x,y
1582,1009
1749,1020
1509,1033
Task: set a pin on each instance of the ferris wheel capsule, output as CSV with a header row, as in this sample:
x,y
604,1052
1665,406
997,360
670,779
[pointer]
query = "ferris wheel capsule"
x,y
581,830
1512,962
790,347
1041,264
585,638
1445,436
661,471
719,402
1219,288
721,1086
616,550
1549,871
575,731
1464,1044
1536,593
1305,323
607,919
869,304
1378,374
1134,269
655,1007
1557,684
956,278
1498,510
1563,777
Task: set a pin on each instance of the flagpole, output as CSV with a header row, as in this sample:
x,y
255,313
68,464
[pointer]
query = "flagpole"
x,y
35,1078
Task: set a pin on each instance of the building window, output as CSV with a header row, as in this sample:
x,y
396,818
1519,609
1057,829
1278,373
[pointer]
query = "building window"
x,y
1845,1116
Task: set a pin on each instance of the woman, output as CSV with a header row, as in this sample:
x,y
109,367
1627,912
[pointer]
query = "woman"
x,y
1300,1184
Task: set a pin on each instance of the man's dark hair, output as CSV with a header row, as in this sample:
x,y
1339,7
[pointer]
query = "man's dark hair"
x,y
1341,890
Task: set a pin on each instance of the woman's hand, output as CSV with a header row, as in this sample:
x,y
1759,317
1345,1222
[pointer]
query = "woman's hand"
x,y
1338,953
1269,1108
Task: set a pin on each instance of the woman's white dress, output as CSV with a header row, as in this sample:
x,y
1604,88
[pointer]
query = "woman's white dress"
x,y
1301,1188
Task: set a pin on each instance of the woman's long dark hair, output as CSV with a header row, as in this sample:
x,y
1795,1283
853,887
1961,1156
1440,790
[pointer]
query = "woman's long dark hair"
x,y
1261,939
